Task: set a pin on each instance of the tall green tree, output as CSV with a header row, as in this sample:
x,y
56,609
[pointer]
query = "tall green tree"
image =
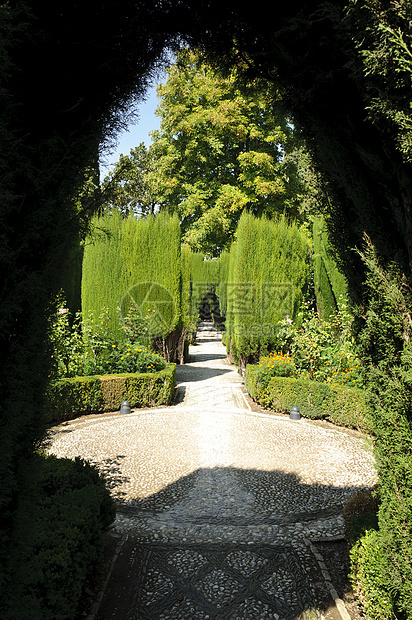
x,y
219,151
267,276
126,188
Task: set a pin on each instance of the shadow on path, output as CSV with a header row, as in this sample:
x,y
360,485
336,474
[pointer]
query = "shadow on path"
x,y
205,357
158,576
273,498
201,373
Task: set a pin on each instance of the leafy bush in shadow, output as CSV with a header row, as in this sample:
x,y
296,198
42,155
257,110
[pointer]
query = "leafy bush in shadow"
x,y
58,540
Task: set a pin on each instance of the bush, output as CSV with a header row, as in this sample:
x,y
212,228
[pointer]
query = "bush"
x,y
360,513
274,365
59,541
338,404
131,358
68,398
82,395
369,576
322,350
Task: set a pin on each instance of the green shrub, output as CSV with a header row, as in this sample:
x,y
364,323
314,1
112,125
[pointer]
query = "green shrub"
x,y
340,405
369,576
274,365
113,388
330,284
79,395
59,541
322,350
68,398
360,513
151,389
131,358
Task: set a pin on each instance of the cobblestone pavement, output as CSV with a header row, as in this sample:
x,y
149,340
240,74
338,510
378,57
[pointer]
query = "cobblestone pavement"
x,y
218,506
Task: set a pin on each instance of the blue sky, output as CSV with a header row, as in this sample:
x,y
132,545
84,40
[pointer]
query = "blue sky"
x,y
135,133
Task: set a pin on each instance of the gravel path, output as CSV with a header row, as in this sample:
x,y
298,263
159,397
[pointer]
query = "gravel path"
x,y
218,506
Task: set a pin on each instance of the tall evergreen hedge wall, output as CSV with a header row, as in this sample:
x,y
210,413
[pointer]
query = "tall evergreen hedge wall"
x,y
200,276
130,260
224,259
267,274
330,284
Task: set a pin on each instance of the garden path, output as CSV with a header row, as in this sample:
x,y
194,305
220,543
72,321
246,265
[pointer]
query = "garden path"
x,y
219,506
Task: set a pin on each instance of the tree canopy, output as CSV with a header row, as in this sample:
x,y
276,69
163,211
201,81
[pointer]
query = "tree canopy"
x,y
220,150
126,188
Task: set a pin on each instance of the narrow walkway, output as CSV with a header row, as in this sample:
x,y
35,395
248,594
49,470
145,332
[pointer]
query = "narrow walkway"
x,y
218,506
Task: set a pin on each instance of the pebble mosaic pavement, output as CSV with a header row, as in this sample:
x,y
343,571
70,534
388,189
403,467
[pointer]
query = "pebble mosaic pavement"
x,y
218,506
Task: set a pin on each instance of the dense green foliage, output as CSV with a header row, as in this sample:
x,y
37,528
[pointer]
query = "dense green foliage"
x,y
385,340
135,265
128,357
68,398
220,150
370,577
344,72
77,343
102,277
59,540
368,573
330,284
83,347
340,405
267,275
276,364
126,188
322,350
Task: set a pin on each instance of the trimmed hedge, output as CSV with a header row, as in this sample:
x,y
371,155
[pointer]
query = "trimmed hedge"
x,y
269,268
69,398
137,260
330,283
319,401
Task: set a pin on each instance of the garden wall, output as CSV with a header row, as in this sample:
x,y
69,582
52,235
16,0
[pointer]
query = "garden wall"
x,y
69,398
319,401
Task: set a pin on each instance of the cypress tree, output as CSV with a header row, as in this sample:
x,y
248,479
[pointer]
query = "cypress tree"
x,y
224,260
134,261
330,283
103,273
187,312
268,271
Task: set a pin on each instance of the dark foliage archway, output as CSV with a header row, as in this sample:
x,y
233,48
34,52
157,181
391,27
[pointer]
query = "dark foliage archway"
x,y
69,71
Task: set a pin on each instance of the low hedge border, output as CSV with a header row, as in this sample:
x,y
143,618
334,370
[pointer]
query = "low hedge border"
x,y
69,398
340,405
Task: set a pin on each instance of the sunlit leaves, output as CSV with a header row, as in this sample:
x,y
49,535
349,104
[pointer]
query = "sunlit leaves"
x,y
218,152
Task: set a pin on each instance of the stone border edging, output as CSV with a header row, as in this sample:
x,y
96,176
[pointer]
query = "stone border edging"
x,y
99,597
339,604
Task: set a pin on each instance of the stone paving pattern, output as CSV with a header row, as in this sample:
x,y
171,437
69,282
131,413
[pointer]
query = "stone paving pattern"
x,y
218,502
